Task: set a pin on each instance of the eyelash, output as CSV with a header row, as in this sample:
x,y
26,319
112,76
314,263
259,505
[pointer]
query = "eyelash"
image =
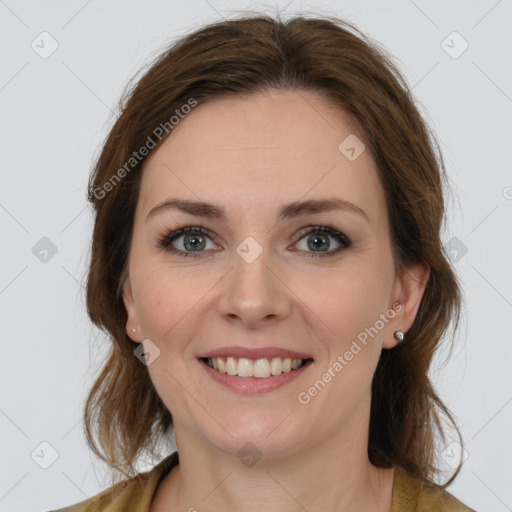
x,y
164,242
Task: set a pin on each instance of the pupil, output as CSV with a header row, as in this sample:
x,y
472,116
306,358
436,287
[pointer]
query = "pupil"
x,y
196,241
321,239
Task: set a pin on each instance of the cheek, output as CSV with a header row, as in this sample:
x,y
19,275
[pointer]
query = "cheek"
x,y
167,299
160,298
166,303
352,301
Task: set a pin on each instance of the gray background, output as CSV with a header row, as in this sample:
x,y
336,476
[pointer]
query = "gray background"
x,y
55,112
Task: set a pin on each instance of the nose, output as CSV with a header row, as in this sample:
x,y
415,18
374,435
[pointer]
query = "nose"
x,y
253,292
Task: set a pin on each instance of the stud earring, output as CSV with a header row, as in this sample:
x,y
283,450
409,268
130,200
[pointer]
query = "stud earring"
x,y
399,336
134,330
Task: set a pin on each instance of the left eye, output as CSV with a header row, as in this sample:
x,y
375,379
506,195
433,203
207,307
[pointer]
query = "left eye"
x,y
317,239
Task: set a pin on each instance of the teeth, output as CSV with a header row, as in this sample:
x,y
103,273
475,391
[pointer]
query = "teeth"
x,y
276,366
296,363
261,368
231,366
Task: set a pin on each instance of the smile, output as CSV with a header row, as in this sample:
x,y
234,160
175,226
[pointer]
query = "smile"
x,y
254,376
260,368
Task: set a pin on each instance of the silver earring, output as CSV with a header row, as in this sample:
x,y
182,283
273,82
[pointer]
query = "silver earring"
x,y
134,330
399,336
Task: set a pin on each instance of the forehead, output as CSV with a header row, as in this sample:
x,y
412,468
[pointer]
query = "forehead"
x,y
260,151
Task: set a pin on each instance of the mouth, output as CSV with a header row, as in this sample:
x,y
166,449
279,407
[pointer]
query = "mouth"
x,y
262,368
254,376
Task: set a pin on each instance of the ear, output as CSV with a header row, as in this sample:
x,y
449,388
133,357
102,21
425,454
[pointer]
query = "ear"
x,y
407,294
132,321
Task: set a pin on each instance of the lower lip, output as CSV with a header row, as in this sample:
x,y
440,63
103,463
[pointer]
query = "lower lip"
x,y
254,385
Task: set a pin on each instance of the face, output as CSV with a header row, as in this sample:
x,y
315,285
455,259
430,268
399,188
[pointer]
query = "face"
x,y
318,282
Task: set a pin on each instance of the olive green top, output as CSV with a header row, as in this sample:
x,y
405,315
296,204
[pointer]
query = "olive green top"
x,y
135,494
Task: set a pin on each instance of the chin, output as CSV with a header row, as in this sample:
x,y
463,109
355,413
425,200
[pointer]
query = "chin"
x,y
255,437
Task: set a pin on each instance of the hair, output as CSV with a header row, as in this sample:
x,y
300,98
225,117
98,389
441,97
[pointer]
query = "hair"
x,y
124,415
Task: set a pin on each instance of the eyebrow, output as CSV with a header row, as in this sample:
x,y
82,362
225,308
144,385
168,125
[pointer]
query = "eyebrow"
x,y
287,211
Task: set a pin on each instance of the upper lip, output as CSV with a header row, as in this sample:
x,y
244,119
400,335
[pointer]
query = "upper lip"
x,y
254,353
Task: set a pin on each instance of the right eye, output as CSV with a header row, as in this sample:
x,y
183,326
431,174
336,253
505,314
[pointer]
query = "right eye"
x,y
193,243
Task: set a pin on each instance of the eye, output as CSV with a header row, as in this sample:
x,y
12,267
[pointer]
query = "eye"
x,y
317,239
194,240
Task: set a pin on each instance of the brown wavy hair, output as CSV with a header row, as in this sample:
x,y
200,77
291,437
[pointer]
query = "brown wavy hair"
x,y
124,416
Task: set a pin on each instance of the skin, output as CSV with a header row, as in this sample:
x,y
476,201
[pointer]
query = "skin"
x,y
251,155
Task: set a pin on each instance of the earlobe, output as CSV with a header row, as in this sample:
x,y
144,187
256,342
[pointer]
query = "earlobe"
x,y
410,289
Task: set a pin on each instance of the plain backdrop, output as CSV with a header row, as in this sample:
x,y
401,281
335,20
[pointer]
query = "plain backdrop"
x,y
63,68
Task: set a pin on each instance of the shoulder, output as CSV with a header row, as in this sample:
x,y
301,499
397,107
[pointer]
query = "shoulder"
x,y
413,495
133,494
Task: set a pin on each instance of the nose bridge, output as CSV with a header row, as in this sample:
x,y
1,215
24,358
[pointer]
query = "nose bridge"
x,y
252,290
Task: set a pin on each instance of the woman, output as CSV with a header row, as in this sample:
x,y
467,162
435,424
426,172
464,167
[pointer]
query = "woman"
x,y
267,260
